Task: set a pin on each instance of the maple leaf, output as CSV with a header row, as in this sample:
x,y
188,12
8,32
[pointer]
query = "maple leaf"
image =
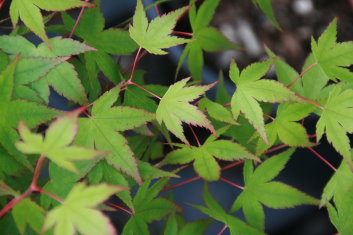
x,y
337,120
55,146
217,111
266,7
59,74
258,190
113,40
100,130
12,111
29,12
20,214
333,57
77,212
340,216
214,210
251,89
154,36
148,208
174,108
285,127
204,156
204,38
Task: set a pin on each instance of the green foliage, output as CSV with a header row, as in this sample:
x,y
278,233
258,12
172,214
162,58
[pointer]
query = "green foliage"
x,y
204,156
204,38
251,89
174,108
259,189
55,145
154,36
77,212
56,177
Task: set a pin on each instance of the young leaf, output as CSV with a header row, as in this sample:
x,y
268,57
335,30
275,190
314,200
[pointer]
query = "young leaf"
x,y
55,146
214,210
272,194
341,217
63,78
204,38
154,36
285,127
174,108
250,90
336,120
265,5
217,111
29,12
148,208
77,212
333,57
21,211
100,131
203,156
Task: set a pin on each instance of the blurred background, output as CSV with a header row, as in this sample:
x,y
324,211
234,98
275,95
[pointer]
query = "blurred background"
x,y
247,26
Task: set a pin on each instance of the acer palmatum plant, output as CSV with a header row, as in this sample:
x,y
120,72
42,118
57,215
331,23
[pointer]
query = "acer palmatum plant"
x,y
105,148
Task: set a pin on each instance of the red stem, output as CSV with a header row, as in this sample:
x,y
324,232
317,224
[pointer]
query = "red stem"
x,y
232,183
310,101
222,230
233,164
157,10
281,146
181,183
127,69
183,33
2,2
302,73
322,158
195,136
77,21
32,188
142,88
266,115
134,64
14,202
119,207
49,194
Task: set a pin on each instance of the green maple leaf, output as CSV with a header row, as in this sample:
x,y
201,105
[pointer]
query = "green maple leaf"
x,y
29,12
214,210
251,89
285,127
20,214
338,186
217,111
77,212
332,57
266,7
100,130
12,111
113,40
176,225
259,189
339,216
155,36
63,77
55,146
337,119
204,38
148,208
204,156
174,108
